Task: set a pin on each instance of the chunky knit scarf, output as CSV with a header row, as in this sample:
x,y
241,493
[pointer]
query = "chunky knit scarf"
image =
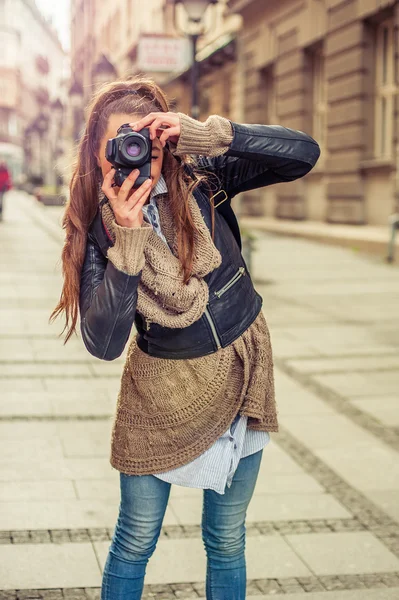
x,y
163,297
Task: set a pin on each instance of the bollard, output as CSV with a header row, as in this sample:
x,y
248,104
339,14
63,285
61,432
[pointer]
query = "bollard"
x,y
394,225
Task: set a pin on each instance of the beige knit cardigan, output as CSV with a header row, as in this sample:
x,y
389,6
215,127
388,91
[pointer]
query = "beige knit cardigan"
x,y
170,411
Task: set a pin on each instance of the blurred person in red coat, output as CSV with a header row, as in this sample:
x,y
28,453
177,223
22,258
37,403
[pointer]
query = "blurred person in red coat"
x,y
5,185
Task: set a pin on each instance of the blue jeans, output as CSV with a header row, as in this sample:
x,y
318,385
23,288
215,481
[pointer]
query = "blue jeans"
x,y
144,499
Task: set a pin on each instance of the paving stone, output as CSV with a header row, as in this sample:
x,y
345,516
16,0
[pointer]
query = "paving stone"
x,y
53,595
332,431
183,590
313,586
56,404
79,536
75,594
277,462
93,593
294,399
82,385
347,364
22,404
269,586
361,384
288,506
104,488
351,582
39,370
21,566
387,500
331,582
12,430
390,579
383,407
40,536
288,484
364,466
99,534
253,589
199,588
343,553
15,384
69,514
36,490
20,537
61,536
86,439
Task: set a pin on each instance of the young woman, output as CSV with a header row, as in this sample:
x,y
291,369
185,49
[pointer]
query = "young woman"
x,y
196,401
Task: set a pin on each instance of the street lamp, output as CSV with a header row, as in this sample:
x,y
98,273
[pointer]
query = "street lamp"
x,y
195,11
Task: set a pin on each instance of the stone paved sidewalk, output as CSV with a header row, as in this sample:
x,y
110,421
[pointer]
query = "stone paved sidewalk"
x,y
368,238
323,523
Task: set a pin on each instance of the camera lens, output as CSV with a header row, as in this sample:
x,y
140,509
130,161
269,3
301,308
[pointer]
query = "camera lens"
x,y
133,149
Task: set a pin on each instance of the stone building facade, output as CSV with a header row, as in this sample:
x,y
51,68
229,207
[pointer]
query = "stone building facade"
x,y
329,68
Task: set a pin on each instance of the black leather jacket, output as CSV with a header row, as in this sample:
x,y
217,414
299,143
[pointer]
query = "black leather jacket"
x,y
259,155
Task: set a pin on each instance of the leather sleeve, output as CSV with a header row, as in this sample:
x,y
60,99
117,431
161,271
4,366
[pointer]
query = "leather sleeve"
x,y
107,302
262,155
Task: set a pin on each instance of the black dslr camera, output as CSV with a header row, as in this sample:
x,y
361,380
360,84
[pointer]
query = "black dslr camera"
x,y
130,150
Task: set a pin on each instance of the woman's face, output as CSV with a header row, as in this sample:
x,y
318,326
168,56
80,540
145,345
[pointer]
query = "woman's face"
x,y
114,122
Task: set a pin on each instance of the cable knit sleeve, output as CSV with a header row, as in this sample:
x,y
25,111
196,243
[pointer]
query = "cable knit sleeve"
x,y
209,138
127,254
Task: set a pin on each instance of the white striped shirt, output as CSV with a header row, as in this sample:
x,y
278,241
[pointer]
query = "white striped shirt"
x,y
214,468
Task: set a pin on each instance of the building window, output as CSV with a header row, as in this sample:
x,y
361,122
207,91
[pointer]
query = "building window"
x,y
385,90
319,99
269,94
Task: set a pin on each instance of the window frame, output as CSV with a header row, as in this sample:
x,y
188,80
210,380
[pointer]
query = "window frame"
x,y
385,90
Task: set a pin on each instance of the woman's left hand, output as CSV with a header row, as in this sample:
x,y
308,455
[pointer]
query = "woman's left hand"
x,y
165,125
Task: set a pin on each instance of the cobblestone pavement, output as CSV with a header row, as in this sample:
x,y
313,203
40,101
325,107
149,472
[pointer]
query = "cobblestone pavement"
x,y
323,523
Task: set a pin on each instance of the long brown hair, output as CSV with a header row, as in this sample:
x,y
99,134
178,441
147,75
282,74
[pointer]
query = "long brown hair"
x,y
81,208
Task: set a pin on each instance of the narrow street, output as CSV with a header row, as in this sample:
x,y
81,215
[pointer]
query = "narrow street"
x,y
323,524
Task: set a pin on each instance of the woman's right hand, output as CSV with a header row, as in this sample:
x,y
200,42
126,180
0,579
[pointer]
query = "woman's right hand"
x,y
127,209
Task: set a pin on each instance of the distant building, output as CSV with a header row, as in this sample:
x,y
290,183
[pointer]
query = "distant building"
x,y
104,39
32,92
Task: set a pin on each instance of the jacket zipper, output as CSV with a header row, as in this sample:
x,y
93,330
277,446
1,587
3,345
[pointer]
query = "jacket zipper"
x,y
213,329
233,280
